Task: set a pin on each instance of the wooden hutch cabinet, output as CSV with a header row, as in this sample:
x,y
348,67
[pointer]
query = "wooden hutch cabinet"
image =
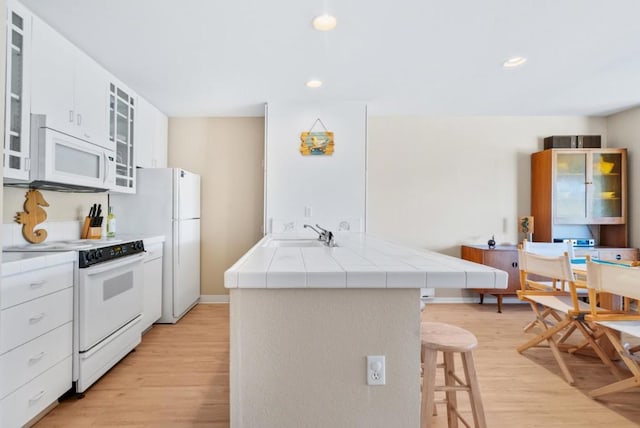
x,y
503,257
580,187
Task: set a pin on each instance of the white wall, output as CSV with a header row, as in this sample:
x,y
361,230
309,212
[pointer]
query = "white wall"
x,y
333,187
439,182
623,131
227,153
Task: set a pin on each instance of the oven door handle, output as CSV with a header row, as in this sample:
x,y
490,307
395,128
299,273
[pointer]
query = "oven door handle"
x,y
95,270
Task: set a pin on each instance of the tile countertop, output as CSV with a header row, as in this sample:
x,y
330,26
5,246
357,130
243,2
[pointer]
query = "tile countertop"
x,y
359,261
14,263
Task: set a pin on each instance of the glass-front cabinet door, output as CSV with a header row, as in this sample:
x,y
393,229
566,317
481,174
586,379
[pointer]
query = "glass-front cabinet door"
x,y
571,188
121,126
590,186
606,202
16,138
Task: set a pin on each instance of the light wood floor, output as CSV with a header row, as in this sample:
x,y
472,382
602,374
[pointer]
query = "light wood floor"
x,y
179,377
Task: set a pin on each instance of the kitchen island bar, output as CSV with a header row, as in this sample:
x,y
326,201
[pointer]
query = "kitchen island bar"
x,y
304,317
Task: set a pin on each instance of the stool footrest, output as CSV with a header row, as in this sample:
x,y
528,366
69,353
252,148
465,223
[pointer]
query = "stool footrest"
x,y
446,388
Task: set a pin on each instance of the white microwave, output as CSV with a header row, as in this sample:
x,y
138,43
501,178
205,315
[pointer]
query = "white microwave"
x,y
62,162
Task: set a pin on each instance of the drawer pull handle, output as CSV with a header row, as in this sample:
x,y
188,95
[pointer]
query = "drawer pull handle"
x,y
37,284
36,318
37,357
38,396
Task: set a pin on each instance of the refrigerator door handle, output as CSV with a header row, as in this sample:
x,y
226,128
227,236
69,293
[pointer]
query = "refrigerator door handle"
x,y
176,240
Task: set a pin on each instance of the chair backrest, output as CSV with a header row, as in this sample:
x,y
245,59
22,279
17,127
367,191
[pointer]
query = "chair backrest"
x,y
555,268
549,248
616,279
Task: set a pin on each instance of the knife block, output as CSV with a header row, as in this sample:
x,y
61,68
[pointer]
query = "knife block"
x,y
95,233
89,232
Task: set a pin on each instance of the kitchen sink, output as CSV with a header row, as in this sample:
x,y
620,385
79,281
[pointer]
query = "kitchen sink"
x,y
294,243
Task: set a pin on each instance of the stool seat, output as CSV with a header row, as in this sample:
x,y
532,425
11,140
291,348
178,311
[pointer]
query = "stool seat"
x,y
448,340
446,337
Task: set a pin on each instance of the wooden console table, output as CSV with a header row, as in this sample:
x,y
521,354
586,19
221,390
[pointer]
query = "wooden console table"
x,y
503,257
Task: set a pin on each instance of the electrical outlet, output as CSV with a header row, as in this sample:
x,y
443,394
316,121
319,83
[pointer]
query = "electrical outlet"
x,y
376,370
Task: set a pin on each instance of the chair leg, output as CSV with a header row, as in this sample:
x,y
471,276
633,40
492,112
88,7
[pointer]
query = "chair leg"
x,y
548,335
615,387
631,364
598,350
558,355
474,390
449,380
428,388
545,335
544,314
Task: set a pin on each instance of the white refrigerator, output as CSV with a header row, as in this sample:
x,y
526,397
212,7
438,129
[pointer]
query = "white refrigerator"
x,y
167,202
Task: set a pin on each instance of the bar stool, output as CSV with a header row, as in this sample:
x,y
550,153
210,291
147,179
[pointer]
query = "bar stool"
x,y
448,339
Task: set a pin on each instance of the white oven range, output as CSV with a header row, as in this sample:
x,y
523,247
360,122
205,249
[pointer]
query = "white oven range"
x,y
108,296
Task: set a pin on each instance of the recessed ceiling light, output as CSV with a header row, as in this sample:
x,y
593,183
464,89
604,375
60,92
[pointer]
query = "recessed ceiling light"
x,y
516,61
325,22
314,83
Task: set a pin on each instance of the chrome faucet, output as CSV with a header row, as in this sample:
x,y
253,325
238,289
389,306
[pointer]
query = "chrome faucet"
x,y
324,235
320,234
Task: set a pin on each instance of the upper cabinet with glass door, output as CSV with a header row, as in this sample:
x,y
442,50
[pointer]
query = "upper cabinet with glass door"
x,y
122,107
589,186
580,193
17,92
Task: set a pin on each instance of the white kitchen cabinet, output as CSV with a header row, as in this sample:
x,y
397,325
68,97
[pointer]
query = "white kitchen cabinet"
x,y
122,119
152,285
36,340
17,92
151,128
68,87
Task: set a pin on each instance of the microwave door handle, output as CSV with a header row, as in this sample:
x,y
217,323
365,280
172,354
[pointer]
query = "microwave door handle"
x,y
106,167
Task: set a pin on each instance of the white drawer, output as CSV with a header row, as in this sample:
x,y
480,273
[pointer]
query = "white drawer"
x,y
30,360
22,323
33,284
24,404
153,251
96,362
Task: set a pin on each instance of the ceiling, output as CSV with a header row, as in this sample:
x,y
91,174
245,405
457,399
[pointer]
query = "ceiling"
x,y
227,58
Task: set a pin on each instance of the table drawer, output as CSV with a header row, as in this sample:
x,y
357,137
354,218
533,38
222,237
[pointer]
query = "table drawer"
x,y
18,408
22,323
20,365
30,285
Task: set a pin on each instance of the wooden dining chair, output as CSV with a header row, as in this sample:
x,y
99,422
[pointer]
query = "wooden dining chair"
x,y
623,281
540,277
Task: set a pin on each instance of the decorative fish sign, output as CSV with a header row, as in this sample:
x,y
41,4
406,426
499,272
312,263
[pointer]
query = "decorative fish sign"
x,y
32,216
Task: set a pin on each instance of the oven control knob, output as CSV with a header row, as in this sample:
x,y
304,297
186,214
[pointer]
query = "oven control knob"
x,y
91,255
139,245
99,254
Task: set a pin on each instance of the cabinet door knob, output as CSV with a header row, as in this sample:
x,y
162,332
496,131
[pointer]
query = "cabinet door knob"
x,y
514,264
618,257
